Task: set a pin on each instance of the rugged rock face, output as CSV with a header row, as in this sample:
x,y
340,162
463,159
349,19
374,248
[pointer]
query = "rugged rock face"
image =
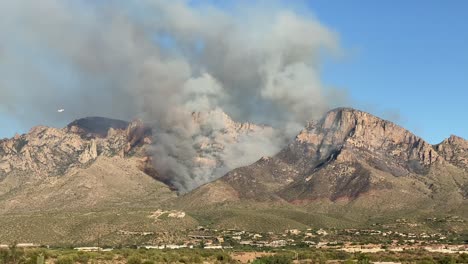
x,y
454,150
221,134
46,151
95,126
347,155
346,168
349,135
94,163
207,146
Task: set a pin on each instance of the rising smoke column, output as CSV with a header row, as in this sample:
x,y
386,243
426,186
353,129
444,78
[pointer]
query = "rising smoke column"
x,y
163,61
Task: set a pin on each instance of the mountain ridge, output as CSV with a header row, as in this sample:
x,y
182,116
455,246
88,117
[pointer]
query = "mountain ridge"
x,y
347,145
348,169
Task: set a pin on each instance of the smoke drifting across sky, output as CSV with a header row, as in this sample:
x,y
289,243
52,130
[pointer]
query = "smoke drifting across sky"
x,y
161,61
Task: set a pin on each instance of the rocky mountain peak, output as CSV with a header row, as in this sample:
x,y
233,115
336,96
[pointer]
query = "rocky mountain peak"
x,y
457,141
96,126
454,150
46,151
346,155
352,131
219,120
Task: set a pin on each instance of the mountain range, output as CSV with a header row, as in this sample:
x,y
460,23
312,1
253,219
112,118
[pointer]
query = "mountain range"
x,y
95,177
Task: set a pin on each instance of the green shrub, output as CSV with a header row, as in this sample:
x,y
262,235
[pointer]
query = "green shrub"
x,y
463,258
223,257
447,260
65,260
39,259
276,259
82,258
363,259
195,259
134,260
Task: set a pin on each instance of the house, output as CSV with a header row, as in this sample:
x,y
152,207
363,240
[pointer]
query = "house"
x,y
88,249
277,243
322,232
153,247
294,231
255,236
176,246
213,247
176,214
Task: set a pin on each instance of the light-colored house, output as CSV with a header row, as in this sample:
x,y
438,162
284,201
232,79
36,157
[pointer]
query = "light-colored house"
x,y
88,249
322,232
294,231
257,236
213,247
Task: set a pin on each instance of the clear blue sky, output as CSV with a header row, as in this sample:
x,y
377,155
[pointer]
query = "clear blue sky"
x,y
405,60
404,57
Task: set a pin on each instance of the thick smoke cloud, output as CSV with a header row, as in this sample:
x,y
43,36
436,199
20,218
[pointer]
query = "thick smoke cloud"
x,y
164,62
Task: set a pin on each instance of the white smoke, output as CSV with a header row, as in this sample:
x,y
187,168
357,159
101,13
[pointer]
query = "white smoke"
x,y
163,61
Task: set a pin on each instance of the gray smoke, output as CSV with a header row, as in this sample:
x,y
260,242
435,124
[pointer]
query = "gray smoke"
x,y
166,62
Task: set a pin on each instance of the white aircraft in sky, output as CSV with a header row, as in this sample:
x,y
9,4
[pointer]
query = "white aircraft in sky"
x,y
61,110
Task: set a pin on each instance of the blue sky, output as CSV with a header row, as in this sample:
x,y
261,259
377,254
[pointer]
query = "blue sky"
x,y
404,60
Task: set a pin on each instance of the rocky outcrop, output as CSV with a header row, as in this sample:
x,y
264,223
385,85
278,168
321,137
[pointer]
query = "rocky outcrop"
x,y
351,153
347,155
454,150
351,135
46,151
96,126
218,137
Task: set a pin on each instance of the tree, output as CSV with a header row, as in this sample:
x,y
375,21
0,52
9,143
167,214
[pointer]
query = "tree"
x,y
363,259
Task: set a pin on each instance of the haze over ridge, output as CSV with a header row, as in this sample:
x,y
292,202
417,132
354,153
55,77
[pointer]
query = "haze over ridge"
x,y
161,62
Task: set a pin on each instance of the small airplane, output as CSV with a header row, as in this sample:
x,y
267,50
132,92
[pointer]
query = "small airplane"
x,y
61,110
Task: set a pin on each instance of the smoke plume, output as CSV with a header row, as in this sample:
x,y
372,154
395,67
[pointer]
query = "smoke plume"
x,y
178,66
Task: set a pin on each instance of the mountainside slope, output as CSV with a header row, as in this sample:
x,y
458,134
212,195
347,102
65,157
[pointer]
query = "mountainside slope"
x,y
79,183
95,178
98,174
355,159
77,167
455,150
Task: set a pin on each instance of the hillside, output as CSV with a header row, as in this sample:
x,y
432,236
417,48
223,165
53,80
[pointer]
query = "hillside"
x,y
95,179
76,181
351,166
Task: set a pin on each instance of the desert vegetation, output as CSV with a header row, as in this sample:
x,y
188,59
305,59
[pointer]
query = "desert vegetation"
x,y
15,255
